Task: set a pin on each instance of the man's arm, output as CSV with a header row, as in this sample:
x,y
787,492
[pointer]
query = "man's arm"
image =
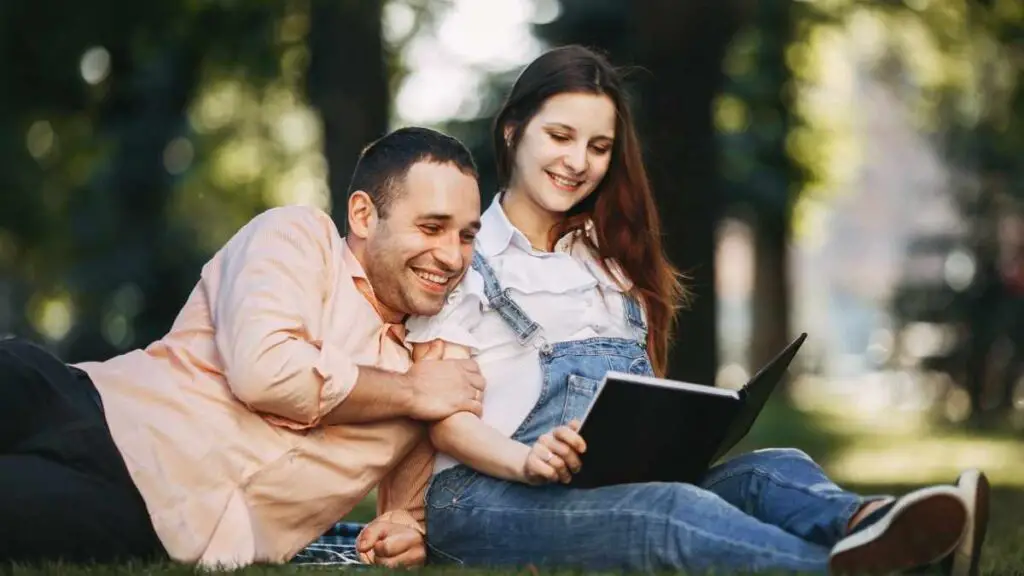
x,y
274,276
396,536
377,395
271,285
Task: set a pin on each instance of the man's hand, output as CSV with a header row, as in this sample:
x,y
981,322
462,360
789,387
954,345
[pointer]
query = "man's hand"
x,y
441,388
555,457
392,545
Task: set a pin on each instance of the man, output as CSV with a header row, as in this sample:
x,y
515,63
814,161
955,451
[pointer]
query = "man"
x,y
282,394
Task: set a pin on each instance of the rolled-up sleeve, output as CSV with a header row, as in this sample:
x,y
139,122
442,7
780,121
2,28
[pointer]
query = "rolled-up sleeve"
x,y
273,281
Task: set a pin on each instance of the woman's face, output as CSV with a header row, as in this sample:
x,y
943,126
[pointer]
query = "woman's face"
x,y
565,150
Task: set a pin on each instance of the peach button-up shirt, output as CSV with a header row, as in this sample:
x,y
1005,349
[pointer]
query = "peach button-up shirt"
x,y
219,421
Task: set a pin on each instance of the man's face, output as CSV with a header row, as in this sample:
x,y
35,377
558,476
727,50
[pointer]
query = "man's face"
x,y
418,253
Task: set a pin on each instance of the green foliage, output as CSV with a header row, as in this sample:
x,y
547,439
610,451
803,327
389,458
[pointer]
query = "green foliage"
x,y
135,139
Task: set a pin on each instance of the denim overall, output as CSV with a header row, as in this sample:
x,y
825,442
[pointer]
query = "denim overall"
x,y
771,509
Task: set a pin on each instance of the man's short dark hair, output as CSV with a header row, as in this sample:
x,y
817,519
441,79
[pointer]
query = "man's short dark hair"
x,y
384,163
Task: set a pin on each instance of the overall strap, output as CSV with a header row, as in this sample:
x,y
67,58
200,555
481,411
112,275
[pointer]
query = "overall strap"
x,y
635,318
499,299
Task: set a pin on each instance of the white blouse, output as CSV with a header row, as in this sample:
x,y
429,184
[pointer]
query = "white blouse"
x,y
565,291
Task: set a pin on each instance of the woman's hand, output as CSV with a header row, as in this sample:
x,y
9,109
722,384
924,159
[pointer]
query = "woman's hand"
x,y
555,457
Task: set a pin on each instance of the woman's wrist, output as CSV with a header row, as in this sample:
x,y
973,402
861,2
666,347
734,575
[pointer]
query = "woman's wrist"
x,y
515,461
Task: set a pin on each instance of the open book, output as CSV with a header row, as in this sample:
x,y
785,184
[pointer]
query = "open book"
x,y
643,429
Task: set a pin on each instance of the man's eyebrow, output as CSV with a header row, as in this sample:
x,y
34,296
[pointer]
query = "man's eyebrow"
x,y
439,216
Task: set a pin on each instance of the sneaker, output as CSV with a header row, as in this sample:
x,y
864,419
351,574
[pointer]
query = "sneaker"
x,y
974,488
913,531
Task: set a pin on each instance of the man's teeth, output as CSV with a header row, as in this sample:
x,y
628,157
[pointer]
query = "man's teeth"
x,y
565,181
432,277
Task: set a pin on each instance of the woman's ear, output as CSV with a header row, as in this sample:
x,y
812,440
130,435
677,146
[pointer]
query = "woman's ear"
x,y
362,214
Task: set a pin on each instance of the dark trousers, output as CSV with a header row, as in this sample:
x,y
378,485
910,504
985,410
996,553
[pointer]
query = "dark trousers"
x,y
65,494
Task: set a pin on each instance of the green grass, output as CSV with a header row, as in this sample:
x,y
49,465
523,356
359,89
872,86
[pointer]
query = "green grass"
x,y
1003,553
867,453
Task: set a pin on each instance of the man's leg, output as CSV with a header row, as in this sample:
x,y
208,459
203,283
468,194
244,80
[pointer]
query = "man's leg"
x,y
62,480
39,395
55,512
785,488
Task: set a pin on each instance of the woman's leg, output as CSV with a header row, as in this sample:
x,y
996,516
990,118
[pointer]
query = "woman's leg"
x,y
480,521
785,488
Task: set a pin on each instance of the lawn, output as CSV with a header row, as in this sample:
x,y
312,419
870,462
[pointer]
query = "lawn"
x,y
1003,554
867,448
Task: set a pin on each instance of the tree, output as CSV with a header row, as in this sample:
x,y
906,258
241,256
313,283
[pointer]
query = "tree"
x,y
348,84
753,116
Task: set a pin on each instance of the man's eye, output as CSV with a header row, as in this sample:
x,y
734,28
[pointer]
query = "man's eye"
x,y
430,228
469,237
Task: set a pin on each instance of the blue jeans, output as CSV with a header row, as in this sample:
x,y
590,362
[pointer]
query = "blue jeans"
x,y
769,509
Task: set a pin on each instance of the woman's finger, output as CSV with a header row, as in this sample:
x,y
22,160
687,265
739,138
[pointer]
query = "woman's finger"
x,y
563,451
540,467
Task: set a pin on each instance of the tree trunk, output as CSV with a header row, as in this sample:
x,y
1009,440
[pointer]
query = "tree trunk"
x,y
348,84
770,299
680,46
772,288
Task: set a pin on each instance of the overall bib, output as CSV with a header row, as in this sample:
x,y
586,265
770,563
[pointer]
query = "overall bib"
x,y
766,509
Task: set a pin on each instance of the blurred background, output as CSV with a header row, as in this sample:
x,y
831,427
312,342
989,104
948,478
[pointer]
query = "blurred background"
x,y
851,169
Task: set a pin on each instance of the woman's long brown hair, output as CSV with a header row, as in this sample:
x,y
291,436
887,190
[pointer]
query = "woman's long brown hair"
x,y
622,207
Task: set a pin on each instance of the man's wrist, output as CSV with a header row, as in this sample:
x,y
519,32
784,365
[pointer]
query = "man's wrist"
x,y
405,392
401,518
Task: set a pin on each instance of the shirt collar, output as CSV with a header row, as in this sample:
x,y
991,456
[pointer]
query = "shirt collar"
x,y
362,283
497,231
351,262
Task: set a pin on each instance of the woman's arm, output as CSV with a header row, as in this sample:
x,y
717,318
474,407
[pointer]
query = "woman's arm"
x,y
469,439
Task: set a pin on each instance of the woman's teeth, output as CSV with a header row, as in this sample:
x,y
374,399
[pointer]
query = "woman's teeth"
x,y
565,182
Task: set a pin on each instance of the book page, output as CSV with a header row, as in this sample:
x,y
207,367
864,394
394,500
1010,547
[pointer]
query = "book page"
x,y
676,384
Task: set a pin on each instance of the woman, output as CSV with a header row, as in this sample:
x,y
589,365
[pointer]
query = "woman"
x,y
568,282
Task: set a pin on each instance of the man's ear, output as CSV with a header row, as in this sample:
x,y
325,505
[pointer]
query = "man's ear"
x,y
362,214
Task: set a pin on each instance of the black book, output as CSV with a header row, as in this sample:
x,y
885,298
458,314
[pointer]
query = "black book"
x,y
644,429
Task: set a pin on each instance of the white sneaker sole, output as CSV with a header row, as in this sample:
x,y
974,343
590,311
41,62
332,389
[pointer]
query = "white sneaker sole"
x,y
922,528
975,489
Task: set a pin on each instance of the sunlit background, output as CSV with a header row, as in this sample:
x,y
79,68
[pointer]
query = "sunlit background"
x,y
868,159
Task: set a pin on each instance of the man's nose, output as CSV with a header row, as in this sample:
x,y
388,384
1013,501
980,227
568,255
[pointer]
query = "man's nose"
x,y
449,255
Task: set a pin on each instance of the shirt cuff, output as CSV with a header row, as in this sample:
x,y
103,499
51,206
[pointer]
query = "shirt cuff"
x,y
338,375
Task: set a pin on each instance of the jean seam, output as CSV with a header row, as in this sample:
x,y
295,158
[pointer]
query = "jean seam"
x,y
669,520
845,514
437,550
776,479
